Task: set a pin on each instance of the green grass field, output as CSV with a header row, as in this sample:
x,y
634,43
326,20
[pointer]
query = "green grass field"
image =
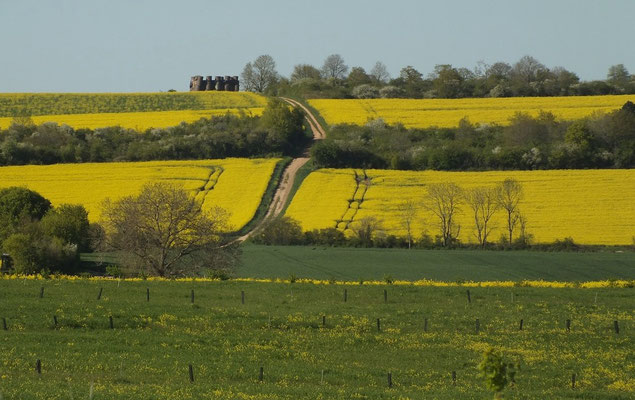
x,y
352,264
279,328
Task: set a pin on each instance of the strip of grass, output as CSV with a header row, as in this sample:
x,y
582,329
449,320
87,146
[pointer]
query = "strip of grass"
x,y
444,265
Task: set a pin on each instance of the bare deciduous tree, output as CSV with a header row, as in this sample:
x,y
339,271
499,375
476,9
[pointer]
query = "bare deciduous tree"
x,y
365,229
379,73
260,74
444,199
334,67
482,202
163,231
408,212
508,195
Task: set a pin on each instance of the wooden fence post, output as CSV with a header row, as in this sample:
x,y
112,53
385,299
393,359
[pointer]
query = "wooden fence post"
x,y
385,296
520,328
378,325
345,295
261,376
242,296
389,380
41,292
112,324
99,295
478,325
454,378
192,296
191,370
147,294
573,381
616,327
4,324
425,325
469,298
38,366
568,325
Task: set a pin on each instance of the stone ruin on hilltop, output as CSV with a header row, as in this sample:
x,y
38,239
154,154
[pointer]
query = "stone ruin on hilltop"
x,y
227,83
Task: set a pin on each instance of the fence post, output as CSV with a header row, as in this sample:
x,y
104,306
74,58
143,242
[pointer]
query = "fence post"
x,y
478,325
191,370
568,324
42,292
520,328
616,327
147,294
261,376
389,380
4,324
378,325
112,325
454,378
324,320
38,366
99,295
573,381
242,296
469,298
425,325
345,295
192,296
385,296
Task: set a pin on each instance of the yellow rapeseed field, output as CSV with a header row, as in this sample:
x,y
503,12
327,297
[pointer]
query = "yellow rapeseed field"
x,y
423,113
591,206
139,121
130,110
234,184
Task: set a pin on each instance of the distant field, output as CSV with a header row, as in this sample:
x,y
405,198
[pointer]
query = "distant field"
x,y
424,113
591,206
236,185
129,110
424,334
353,264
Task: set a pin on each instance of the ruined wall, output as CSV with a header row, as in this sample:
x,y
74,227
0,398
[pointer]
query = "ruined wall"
x,y
221,83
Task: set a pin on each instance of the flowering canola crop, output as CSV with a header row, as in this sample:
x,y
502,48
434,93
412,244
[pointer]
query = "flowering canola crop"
x,y
237,185
591,206
130,110
446,113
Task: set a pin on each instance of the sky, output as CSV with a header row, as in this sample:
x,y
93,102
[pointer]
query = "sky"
x,y
150,46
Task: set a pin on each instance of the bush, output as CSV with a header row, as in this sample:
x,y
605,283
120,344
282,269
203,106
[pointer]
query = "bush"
x,y
281,231
365,91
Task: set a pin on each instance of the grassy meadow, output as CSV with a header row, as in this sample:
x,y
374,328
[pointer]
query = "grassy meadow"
x,y
355,264
280,328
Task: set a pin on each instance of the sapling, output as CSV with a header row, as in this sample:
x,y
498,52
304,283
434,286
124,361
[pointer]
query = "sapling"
x,y
496,372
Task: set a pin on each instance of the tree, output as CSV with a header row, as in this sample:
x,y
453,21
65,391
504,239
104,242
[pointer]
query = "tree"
x,y
618,76
408,213
334,67
305,71
496,373
357,76
379,73
260,74
365,230
447,81
508,195
411,81
19,204
69,223
482,202
164,231
285,126
281,231
444,200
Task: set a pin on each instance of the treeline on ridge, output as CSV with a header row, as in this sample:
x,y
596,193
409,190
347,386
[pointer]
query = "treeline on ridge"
x,y
279,131
527,143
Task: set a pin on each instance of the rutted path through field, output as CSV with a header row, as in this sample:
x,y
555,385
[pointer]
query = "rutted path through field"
x,y
288,176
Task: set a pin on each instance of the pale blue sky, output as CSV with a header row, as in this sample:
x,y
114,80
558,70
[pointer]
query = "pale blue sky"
x,y
135,45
